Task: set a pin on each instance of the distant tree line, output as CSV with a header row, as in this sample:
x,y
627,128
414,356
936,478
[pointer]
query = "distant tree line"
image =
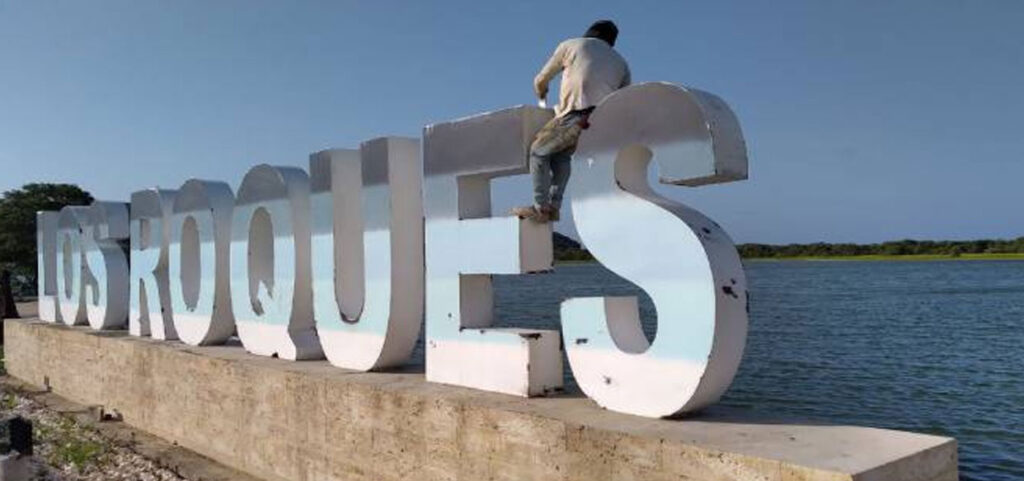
x,y
892,248
567,249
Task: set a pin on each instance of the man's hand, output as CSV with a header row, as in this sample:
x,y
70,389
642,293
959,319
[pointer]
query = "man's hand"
x,y
541,88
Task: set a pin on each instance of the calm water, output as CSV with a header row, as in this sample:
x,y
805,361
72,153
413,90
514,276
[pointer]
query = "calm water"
x,y
932,347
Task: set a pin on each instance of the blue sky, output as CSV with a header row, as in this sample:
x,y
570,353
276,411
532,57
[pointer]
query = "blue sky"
x,y
865,120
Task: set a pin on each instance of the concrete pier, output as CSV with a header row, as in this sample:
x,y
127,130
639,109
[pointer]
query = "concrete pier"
x,y
304,421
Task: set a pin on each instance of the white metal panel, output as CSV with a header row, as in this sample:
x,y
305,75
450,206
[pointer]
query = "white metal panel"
x,y
150,311
367,252
271,291
465,245
197,262
683,260
70,268
106,297
46,265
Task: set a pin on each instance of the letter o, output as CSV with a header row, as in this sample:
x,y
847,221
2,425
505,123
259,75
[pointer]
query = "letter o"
x,y
70,278
197,263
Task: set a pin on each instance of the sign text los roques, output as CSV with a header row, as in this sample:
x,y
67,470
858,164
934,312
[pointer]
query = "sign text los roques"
x,y
348,261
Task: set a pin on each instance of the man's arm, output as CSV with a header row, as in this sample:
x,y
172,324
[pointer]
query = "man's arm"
x,y
627,78
554,65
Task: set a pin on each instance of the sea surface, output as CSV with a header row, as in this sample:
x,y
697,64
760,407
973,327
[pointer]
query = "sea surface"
x,y
931,347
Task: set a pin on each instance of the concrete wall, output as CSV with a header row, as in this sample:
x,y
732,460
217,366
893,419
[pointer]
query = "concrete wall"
x,y
300,421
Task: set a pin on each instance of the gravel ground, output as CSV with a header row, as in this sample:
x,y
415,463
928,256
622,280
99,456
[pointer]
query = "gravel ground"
x,y
66,450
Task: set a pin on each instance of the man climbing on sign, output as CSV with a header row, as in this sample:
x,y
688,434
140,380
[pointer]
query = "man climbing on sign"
x,y
591,69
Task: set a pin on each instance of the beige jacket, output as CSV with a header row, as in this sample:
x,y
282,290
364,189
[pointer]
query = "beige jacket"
x,y
591,69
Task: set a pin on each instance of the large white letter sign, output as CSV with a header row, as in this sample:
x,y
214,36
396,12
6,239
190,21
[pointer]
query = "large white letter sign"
x,y
271,292
70,275
149,312
197,262
46,265
683,260
465,245
367,252
106,297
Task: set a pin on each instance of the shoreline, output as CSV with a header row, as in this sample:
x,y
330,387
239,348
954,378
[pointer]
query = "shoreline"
x,y
863,258
900,258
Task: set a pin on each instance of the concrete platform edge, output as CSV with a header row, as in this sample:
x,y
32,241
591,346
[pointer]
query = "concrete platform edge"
x,y
281,420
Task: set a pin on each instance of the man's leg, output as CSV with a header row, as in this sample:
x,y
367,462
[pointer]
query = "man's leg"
x,y
541,172
561,162
561,168
559,133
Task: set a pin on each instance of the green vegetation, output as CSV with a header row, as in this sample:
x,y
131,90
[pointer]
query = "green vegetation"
x,y
880,257
77,452
70,445
17,226
893,250
568,250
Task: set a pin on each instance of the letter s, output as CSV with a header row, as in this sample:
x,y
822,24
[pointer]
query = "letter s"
x,y
683,260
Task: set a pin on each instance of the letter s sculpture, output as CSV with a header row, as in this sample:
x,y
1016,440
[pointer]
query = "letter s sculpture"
x,y
683,260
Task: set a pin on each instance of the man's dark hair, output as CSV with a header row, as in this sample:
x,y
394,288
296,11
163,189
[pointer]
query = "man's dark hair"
x,y
604,30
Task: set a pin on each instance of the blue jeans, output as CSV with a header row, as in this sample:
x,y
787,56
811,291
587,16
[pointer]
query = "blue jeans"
x,y
551,157
550,176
